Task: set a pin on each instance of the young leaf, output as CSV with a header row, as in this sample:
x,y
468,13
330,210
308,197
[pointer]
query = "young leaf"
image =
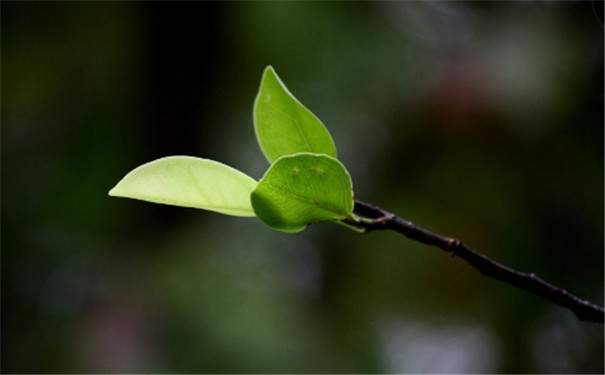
x,y
301,189
190,182
283,125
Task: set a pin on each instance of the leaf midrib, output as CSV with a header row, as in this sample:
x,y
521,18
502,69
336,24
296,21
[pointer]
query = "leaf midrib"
x,y
295,118
306,200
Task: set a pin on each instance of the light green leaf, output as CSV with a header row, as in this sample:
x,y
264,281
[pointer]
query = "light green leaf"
x,y
283,125
301,189
190,182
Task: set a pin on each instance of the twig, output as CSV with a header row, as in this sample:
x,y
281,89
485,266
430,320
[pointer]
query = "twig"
x,y
375,218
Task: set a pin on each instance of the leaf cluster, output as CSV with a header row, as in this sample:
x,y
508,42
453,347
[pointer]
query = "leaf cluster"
x,y
304,184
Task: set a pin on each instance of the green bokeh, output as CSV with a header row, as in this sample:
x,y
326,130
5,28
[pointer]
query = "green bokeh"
x,y
479,120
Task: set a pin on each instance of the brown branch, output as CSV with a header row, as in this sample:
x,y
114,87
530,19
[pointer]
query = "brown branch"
x,y
379,219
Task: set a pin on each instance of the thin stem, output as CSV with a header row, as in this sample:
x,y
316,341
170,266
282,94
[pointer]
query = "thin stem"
x,y
378,219
349,225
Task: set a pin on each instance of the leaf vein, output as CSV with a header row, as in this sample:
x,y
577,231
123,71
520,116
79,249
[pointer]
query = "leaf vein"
x,y
306,200
295,118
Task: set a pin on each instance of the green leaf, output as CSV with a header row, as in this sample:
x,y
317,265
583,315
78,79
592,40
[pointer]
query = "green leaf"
x,y
301,189
190,182
283,125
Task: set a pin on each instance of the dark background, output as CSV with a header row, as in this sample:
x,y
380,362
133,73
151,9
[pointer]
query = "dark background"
x,y
481,120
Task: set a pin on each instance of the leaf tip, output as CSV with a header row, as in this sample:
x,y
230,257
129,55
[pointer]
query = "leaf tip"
x,y
120,190
270,71
115,192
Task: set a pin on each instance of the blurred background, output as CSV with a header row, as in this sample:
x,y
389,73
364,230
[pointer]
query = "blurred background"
x,y
481,120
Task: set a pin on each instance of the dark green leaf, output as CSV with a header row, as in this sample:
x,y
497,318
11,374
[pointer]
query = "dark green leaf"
x,y
301,189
